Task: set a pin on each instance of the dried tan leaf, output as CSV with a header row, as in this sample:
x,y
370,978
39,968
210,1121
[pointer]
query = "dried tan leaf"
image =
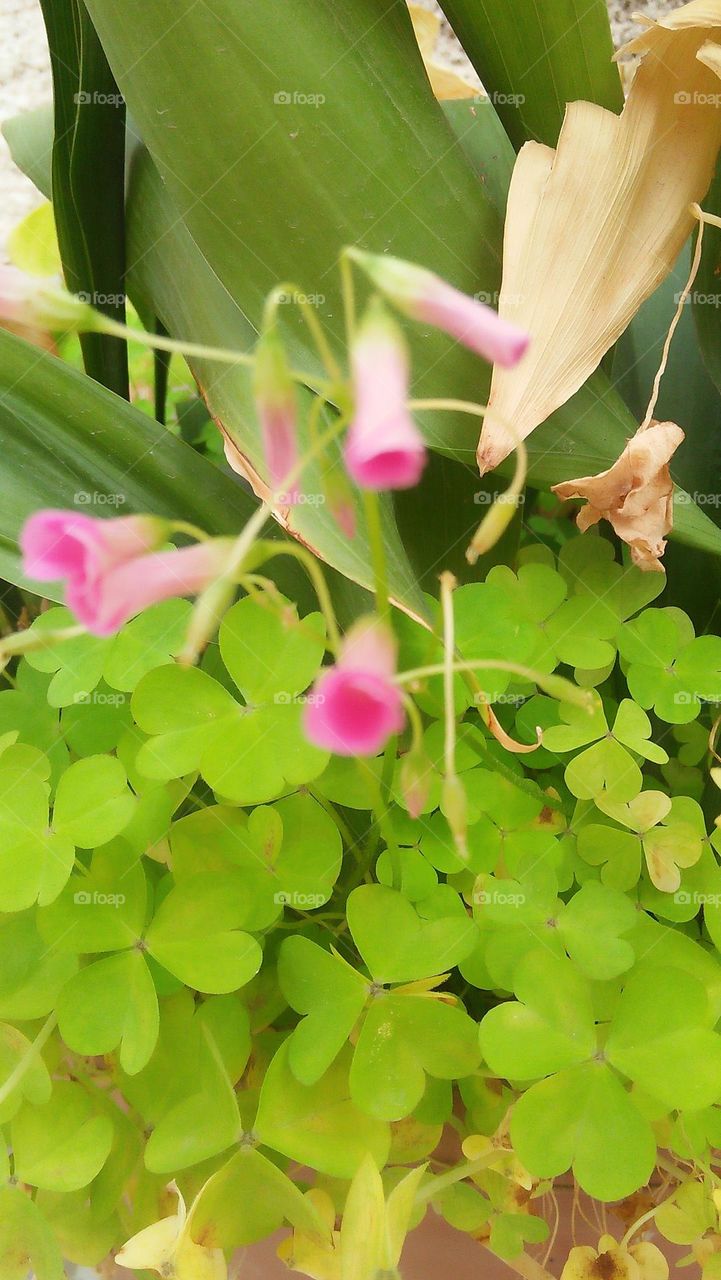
x,y
445,82
593,227
613,1261
635,495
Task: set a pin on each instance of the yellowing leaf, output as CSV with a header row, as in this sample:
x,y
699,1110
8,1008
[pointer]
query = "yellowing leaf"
x,y
168,1248
593,227
611,1261
33,243
445,82
635,495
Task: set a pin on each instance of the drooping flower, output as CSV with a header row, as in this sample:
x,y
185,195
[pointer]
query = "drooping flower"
x,y
275,401
109,571
168,1248
424,296
355,706
37,306
384,448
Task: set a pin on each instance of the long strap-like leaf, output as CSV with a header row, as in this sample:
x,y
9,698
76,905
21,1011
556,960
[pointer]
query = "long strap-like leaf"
x,y
89,178
534,56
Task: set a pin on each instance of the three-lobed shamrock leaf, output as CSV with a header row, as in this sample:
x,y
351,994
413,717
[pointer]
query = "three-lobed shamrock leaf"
x,y
287,854
250,753
670,836
578,1112
607,767
399,1035
669,668
92,805
79,665
515,917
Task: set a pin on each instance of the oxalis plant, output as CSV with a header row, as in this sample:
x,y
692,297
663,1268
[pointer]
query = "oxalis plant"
x,y
369,875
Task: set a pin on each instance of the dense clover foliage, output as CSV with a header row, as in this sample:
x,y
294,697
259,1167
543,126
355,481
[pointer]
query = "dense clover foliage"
x,y
237,954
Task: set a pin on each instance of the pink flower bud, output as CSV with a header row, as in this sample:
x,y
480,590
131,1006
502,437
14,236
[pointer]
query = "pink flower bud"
x,y
34,306
275,400
109,572
355,706
384,448
424,296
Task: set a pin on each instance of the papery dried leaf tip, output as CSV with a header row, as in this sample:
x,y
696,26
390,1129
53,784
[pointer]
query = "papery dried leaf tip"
x,y
107,567
424,296
384,448
355,706
635,495
275,399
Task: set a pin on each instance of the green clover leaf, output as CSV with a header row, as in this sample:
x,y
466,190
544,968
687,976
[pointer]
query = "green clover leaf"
x,y
62,1144
318,1125
403,1033
395,940
109,1003
669,834
607,767
249,755
669,669
26,1240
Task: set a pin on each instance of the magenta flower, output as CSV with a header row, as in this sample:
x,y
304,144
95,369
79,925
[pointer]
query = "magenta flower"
x,y
424,296
275,401
355,706
384,448
109,572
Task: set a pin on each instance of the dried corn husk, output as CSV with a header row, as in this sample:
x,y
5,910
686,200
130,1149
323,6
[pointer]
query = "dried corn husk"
x,y
593,227
635,495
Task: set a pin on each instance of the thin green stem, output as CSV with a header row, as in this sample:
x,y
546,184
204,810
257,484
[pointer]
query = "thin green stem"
x,y
448,583
371,504
556,686
199,351
453,406
348,291
31,1055
465,1170
317,577
291,291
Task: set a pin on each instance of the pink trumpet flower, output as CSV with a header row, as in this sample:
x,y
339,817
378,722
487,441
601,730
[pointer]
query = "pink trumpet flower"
x,y
424,296
355,706
109,572
384,448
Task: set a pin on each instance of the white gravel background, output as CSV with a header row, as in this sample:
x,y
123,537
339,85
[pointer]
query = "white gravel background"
x,y
25,80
